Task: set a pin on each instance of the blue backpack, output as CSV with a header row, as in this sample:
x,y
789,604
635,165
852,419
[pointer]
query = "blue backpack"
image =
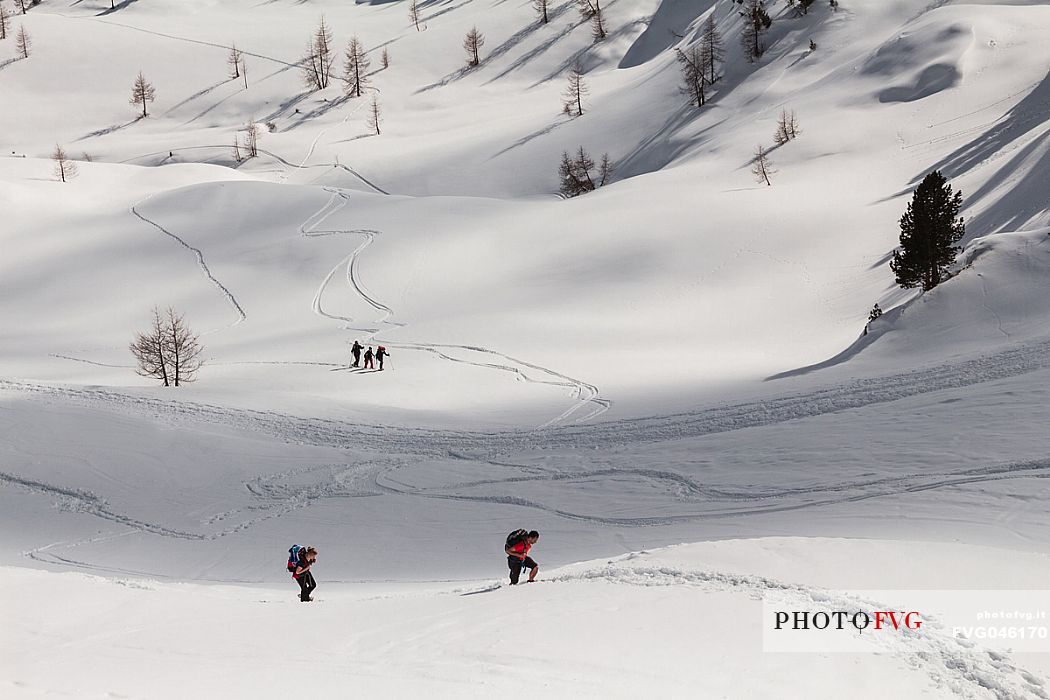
x,y
293,557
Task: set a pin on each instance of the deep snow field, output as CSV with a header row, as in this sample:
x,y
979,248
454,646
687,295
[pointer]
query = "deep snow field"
x,y
677,357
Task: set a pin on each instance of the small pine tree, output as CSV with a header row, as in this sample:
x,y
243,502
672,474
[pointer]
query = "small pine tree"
x,y
875,312
355,68
712,50
65,169
762,167
384,59
233,60
375,116
834,5
142,92
574,92
473,43
756,22
23,42
930,228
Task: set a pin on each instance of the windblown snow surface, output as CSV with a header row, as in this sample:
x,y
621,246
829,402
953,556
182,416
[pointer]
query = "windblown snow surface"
x,y
678,357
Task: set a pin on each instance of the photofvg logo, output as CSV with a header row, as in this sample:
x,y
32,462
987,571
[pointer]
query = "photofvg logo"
x,y
805,620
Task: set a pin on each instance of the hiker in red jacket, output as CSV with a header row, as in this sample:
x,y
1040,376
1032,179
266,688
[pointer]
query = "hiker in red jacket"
x,y
518,545
307,584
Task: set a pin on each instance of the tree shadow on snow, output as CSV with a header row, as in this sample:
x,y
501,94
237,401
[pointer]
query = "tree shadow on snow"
x,y
1024,199
109,129
116,8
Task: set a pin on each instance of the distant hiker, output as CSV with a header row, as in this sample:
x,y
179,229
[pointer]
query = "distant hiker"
x,y
306,558
519,543
368,358
356,352
380,354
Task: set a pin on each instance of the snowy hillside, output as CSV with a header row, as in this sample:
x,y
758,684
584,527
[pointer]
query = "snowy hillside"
x,y
682,355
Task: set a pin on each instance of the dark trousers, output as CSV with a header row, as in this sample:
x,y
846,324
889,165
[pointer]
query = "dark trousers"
x,y
307,584
369,363
380,362
516,565
357,360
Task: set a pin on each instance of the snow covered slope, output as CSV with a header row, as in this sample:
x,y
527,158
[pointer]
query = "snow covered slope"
x,y
677,357
675,623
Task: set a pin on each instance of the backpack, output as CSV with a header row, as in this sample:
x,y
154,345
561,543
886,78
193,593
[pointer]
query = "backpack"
x,y
293,557
516,537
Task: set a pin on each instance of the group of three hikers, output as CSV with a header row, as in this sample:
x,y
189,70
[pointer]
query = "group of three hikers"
x,y
378,356
519,542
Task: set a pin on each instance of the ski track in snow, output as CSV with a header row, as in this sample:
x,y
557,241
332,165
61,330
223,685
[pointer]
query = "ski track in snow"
x,y
203,265
951,662
1019,360
684,499
584,393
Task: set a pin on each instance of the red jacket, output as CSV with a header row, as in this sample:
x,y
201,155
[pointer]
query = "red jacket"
x,y
521,549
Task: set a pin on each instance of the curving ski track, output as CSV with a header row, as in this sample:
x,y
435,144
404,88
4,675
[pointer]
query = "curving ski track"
x,y
585,394
203,265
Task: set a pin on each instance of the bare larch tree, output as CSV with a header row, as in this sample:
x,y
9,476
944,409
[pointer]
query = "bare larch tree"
x,y
787,127
22,5
23,42
712,50
5,21
233,60
355,69
251,138
592,10
151,351
375,117
184,349
384,58
575,173
474,41
762,167
316,64
694,77
65,169
142,92
574,92
541,9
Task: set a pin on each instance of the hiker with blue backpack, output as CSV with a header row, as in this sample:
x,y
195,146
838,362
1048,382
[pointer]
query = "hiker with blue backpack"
x,y
519,543
300,559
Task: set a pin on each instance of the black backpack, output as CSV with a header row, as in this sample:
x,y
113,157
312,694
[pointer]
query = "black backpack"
x,y
515,537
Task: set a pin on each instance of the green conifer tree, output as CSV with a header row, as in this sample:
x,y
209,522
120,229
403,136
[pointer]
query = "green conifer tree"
x,y
930,228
